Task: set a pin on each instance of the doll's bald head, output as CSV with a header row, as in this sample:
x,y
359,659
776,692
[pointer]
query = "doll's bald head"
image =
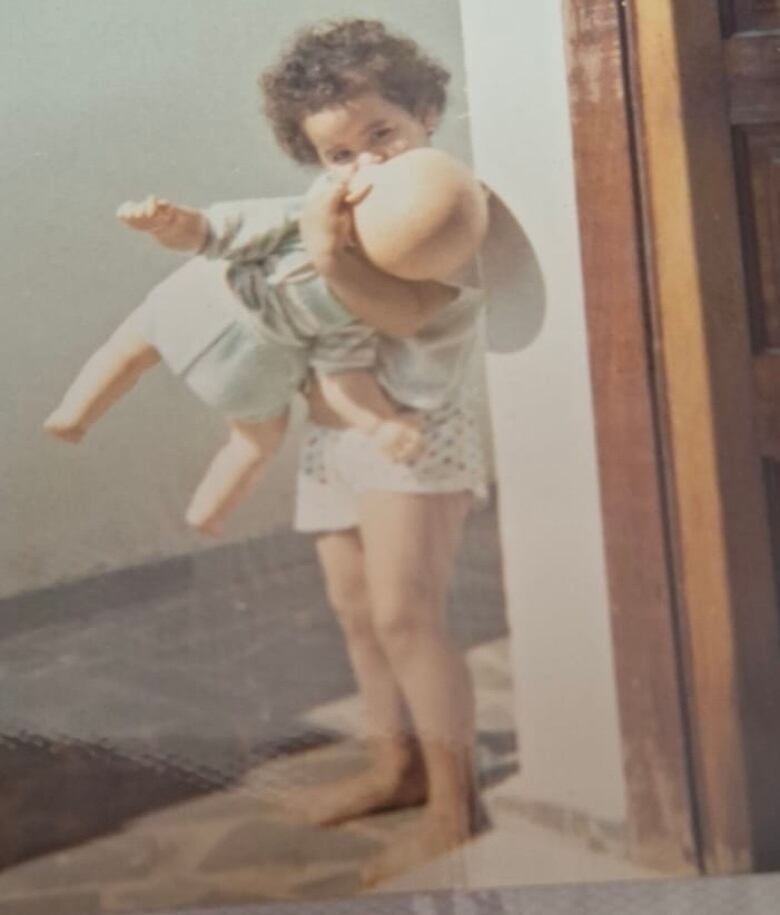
x,y
424,217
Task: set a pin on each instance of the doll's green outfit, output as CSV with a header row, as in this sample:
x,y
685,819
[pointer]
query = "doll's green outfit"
x,y
245,321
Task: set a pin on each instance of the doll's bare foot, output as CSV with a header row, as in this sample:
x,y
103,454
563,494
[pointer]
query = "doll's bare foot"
x,y
400,439
204,524
356,796
64,427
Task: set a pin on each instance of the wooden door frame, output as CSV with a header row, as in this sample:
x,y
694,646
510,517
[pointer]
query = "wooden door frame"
x,y
686,532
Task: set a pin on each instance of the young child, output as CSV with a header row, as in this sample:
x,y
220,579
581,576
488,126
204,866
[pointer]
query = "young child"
x,y
387,534
244,336
357,100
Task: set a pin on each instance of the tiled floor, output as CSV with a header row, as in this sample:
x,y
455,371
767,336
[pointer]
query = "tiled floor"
x,y
140,689
148,719
235,846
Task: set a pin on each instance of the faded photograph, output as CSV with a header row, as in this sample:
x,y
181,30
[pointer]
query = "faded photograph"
x,y
303,590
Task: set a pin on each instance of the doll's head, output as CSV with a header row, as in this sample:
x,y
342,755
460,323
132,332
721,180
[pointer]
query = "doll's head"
x,y
349,88
389,93
424,217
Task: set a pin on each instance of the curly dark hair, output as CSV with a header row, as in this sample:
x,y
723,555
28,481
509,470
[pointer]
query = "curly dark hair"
x,y
334,61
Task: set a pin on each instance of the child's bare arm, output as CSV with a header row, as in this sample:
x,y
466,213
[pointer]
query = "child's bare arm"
x,y
396,307
174,227
358,400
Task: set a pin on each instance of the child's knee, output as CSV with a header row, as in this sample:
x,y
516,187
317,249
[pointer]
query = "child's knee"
x,y
403,615
399,632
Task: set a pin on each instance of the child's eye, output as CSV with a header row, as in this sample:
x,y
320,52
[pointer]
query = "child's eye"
x,y
342,156
381,133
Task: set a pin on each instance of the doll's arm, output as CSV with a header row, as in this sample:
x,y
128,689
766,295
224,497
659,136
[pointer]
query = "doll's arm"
x,y
248,230
174,227
236,230
358,400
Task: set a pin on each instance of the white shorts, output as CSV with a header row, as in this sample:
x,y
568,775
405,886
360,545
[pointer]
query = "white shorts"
x,y
337,465
210,339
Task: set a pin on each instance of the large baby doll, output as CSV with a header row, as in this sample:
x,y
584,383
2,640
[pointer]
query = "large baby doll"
x,y
246,321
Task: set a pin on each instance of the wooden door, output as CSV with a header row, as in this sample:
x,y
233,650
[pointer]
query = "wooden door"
x,y
750,34
676,124
705,79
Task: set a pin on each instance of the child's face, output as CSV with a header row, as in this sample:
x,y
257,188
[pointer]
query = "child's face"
x,y
366,128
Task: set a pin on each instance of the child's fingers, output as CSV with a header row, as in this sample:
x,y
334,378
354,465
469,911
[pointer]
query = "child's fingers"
x,y
337,192
355,196
338,187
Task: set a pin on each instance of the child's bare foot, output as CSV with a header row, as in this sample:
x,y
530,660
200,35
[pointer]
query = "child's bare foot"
x,y
64,427
400,439
356,796
433,835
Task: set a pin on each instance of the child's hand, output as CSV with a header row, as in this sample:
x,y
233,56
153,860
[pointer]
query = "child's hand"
x,y
326,221
180,228
400,439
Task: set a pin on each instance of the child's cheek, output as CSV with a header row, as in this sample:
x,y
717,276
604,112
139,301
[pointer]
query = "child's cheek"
x,y
397,147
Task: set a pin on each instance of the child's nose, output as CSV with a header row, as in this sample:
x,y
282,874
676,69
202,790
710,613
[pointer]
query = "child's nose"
x,y
369,158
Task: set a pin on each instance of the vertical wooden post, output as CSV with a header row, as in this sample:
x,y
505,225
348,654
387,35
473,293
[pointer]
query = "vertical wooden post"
x,y
660,809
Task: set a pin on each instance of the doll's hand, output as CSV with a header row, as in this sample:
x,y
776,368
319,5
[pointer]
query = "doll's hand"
x,y
400,439
180,228
148,215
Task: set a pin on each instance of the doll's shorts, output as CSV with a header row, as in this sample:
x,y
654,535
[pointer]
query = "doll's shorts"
x,y
208,337
337,465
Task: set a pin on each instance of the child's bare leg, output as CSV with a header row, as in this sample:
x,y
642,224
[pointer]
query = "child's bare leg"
x,y
394,776
359,400
410,543
234,471
106,376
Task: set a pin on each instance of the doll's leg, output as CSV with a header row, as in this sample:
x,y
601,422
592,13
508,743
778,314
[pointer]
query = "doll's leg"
x,y
106,376
234,471
358,399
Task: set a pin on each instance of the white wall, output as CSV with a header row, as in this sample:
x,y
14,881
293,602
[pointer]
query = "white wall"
x,y
102,102
542,416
